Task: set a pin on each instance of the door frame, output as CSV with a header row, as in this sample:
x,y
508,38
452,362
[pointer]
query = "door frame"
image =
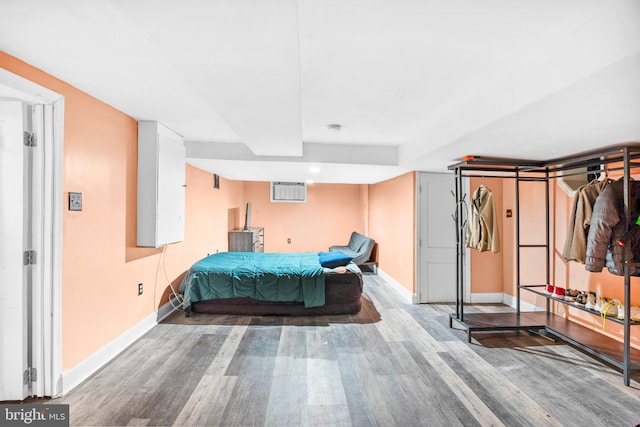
x,y
417,297
48,341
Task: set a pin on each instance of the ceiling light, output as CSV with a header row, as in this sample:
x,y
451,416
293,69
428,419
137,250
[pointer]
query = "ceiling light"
x,y
334,127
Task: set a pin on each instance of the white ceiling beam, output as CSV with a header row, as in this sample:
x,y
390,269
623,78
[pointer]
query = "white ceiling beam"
x,y
312,153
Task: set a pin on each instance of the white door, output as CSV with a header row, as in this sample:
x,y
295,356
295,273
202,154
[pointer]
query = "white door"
x,y
30,219
13,290
436,238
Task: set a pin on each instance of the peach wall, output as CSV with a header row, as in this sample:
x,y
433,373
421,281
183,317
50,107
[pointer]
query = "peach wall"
x,y
331,214
101,266
392,207
532,232
508,238
208,212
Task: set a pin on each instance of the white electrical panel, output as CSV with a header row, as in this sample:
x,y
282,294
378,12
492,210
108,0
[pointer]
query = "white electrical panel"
x,y
161,185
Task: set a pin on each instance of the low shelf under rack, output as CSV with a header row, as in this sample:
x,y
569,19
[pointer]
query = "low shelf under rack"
x,y
531,288
502,321
593,342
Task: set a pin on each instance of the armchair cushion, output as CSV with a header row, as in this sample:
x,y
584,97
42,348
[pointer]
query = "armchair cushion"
x,y
333,259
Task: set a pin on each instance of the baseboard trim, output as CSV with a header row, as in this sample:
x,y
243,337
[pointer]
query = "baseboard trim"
x,y
396,286
164,311
83,370
510,300
487,298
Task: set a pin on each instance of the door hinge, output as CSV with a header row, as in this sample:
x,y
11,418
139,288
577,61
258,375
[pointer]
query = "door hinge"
x,y
29,139
30,375
29,257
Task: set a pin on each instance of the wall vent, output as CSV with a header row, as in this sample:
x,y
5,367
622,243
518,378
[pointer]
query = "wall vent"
x,y
289,192
576,178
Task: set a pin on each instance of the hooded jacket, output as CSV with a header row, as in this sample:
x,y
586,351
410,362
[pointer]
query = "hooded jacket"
x,y
608,224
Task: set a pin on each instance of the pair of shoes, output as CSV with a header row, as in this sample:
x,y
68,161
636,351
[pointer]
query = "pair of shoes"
x,y
608,307
548,289
559,292
581,298
590,304
571,295
599,303
634,315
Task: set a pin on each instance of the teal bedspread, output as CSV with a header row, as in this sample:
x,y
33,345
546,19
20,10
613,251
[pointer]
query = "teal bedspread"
x,y
263,276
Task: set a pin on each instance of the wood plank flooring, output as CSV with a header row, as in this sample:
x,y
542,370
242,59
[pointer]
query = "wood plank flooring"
x,y
392,364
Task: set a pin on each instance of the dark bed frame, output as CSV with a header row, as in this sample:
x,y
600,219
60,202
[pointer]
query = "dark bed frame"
x,y
343,295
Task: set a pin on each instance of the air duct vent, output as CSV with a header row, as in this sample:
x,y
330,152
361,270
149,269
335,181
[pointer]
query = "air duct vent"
x,y
579,177
289,192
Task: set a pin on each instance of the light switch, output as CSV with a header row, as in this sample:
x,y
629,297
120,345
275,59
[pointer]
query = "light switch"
x,y
75,201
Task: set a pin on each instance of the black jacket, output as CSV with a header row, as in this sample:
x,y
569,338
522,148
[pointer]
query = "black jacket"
x,y
608,224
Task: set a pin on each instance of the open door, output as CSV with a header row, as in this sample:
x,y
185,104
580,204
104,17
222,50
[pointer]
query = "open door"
x,y
13,272
30,238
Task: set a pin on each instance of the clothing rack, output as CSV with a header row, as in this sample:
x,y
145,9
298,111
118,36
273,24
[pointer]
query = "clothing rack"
x,y
621,157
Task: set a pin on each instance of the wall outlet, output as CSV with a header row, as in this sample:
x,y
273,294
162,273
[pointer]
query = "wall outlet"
x,y
139,288
75,201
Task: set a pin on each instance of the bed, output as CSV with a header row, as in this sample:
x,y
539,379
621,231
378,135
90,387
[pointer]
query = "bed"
x,y
255,283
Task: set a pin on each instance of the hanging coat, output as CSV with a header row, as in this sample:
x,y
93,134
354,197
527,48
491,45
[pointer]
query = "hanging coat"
x,y
608,224
575,245
482,224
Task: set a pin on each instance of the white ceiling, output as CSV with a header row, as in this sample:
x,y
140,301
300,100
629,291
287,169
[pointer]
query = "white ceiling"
x,y
415,84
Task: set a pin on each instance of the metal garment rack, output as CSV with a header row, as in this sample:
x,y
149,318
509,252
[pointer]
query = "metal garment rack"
x,y
614,158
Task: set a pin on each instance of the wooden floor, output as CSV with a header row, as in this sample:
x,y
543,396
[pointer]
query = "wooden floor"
x,y
393,364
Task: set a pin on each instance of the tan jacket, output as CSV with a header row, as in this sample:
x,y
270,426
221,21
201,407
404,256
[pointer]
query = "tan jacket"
x,y
482,222
575,245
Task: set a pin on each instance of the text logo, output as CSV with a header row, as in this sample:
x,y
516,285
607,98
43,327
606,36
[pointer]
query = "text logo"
x,y
34,415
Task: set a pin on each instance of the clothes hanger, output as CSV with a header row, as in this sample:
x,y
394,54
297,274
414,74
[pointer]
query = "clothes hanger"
x,y
604,175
